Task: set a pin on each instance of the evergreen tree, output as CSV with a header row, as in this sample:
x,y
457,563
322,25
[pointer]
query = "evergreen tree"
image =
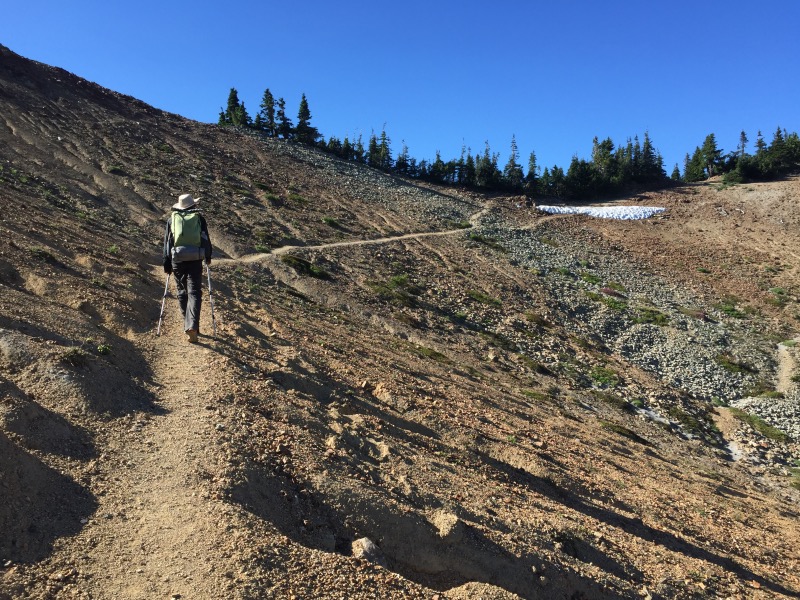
x,y
348,153
676,172
761,145
403,163
304,132
695,169
385,151
373,155
512,174
235,113
285,127
712,156
532,177
470,173
267,114
742,143
358,150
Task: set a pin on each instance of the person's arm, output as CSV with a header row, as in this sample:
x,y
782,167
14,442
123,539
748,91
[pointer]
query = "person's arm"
x,y
166,257
205,239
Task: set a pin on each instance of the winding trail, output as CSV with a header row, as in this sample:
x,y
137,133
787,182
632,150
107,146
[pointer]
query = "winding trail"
x,y
474,220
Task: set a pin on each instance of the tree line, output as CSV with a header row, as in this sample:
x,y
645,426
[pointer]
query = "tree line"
x,y
612,169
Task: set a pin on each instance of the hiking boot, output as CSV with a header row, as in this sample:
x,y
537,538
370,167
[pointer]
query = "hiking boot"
x,y
191,335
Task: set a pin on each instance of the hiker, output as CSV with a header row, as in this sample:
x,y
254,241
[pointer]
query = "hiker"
x,y
186,245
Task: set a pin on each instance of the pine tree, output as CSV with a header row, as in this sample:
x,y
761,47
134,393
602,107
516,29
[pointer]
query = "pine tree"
x,y
267,113
695,169
676,172
742,143
403,161
385,151
512,174
304,132
285,127
532,177
235,113
712,156
470,173
373,156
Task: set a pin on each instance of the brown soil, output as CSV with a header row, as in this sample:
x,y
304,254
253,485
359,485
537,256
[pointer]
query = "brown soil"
x,y
369,397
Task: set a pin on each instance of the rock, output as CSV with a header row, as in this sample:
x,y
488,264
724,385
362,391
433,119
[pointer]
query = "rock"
x,y
366,549
449,526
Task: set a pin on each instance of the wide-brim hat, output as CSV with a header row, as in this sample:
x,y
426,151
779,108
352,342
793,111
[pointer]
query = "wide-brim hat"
x,y
185,201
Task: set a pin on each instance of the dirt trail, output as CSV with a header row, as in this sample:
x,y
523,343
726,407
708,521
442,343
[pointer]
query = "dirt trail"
x,y
786,367
474,220
158,531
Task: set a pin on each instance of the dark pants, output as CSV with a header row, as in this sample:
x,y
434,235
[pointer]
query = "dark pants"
x,y
188,278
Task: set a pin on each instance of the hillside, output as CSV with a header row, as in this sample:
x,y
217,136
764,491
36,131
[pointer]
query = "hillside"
x,y
503,403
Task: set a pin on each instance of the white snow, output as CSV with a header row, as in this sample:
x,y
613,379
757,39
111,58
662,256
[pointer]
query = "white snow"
x,y
605,212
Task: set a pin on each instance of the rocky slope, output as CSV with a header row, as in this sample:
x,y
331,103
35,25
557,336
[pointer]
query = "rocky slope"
x,y
412,391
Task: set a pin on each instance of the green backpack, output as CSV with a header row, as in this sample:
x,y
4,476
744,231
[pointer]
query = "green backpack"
x,y
186,228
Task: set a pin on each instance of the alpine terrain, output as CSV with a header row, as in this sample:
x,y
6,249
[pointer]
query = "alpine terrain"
x,y
413,391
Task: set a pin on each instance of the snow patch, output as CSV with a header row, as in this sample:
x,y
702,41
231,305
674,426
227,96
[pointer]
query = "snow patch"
x,y
624,213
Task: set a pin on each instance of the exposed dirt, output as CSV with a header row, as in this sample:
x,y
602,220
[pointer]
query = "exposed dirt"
x,y
364,424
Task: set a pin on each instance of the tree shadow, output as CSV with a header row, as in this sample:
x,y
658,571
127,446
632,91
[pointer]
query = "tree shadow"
x,y
331,519
630,525
39,505
42,429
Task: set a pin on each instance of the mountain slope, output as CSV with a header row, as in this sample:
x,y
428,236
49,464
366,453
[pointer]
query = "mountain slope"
x,y
503,403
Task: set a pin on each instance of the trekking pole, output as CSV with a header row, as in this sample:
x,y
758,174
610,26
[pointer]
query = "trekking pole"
x,y
161,316
211,300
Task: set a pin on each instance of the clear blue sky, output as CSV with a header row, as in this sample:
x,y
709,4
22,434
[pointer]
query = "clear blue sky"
x,y
439,75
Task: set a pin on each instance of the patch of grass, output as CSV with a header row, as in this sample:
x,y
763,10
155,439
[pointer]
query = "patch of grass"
x,y
729,307
703,270
590,277
305,267
624,431
730,363
651,315
262,186
549,242
695,313
103,349
459,224
116,170
487,241
565,272
615,303
760,425
263,249
613,400
74,356
684,418
538,319
429,353
795,474
40,253
331,222
483,298
534,395
398,290
113,249
605,377
789,343
295,197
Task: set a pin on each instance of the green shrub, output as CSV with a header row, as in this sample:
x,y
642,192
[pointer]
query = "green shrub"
x,y
730,363
651,315
590,277
398,290
624,431
487,241
483,298
605,377
305,267
761,426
